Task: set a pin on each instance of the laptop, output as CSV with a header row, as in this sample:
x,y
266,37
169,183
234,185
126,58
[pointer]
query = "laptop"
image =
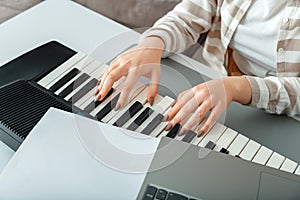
x,y
67,156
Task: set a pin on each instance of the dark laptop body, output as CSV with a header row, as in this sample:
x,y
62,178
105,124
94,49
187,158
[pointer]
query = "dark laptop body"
x,y
200,173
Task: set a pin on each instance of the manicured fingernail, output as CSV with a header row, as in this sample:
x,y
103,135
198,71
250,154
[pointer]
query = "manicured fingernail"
x,y
166,118
98,97
174,102
200,133
182,131
97,91
151,101
118,106
168,127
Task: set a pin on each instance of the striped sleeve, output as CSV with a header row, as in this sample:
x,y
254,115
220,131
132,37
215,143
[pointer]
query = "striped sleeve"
x,y
276,95
182,26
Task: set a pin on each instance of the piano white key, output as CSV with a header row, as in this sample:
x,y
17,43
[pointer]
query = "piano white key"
x,y
262,155
88,69
288,166
60,70
68,83
298,170
113,116
156,100
250,150
97,73
77,89
237,145
213,134
160,107
197,139
163,104
92,67
138,87
79,65
163,133
226,139
88,63
90,96
107,100
160,128
275,161
179,137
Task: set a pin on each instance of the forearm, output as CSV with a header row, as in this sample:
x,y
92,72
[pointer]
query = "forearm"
x,y
182,26
153,42
276,95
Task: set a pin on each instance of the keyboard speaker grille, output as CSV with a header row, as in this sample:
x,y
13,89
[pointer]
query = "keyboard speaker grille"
x,y
22,105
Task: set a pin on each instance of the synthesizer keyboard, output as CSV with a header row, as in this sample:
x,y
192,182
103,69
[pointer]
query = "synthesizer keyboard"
x,y
71,87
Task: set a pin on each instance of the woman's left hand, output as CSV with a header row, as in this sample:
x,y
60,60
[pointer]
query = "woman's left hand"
x,y
214,96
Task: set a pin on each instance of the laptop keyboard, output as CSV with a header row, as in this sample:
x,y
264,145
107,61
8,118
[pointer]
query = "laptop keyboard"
x,y
158,193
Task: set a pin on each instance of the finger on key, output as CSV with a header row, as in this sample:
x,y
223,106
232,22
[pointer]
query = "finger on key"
x,y
108,82
129,83
212,118
107,71
196,118
185,111
180,102
153,87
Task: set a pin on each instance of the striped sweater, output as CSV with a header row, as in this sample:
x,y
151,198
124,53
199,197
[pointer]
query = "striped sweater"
x,y
181,28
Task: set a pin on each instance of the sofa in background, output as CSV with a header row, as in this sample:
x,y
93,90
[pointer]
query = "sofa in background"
x,y
10,8
131,13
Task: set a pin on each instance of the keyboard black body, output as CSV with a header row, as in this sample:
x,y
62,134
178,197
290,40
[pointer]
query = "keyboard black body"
x,y
23,102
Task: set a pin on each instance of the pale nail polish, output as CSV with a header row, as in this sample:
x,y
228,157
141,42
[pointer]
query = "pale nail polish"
x,y
151,101
182,131
166,118
168,127
117,107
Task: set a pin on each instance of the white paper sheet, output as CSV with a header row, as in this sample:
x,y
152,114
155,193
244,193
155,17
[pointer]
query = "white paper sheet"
x,y
55,163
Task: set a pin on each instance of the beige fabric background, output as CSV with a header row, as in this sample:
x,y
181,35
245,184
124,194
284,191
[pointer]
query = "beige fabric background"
x,y
132,13
10,8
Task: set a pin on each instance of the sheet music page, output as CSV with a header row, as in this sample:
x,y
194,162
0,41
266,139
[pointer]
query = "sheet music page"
x,y
55,162
5,155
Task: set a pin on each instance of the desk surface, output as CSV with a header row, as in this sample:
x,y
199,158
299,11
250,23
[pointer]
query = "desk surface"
x,y
84,30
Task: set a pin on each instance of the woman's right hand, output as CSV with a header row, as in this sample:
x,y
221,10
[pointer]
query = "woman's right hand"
x,y
141,60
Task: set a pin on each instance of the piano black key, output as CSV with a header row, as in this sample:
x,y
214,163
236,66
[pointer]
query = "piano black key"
x,y
223,150
83,77
66,78
174,196
174,131
107,108
140,119
161,194
189,136
153,124
210,145
94,104
150,193
136,107
85,89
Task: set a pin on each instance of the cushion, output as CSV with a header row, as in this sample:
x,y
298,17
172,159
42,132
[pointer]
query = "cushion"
x,y
131,13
